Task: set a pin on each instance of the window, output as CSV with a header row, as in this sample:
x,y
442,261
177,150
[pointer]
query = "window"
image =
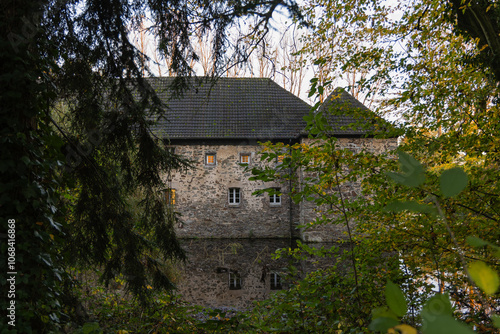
x,y
275,281
169,196
210,159
244,158
234,280
234,196
275,199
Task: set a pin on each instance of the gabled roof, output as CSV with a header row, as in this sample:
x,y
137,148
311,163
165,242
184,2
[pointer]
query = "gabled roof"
x,y
247,108
252,108
346,116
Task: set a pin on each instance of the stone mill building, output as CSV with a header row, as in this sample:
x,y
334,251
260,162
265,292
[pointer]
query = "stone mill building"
x,y
218,126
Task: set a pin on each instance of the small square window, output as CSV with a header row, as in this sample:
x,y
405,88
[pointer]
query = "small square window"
x,y
234,196
244,158
275,199
169,196
210,159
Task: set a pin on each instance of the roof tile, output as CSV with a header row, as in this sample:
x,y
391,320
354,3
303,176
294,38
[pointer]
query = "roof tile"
x,y
247,108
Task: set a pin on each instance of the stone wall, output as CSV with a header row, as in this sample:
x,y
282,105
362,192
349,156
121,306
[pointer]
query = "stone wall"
x,y
202,196
309,211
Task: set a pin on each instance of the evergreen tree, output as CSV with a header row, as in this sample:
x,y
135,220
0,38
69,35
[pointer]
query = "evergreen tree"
x,y
76,143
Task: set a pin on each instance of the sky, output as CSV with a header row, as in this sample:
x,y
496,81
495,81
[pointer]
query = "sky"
x,y
283,31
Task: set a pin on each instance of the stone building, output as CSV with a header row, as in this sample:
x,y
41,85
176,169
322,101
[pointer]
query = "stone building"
x,y
218,126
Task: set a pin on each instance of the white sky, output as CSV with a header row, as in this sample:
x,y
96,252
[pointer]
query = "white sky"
x,y
280,23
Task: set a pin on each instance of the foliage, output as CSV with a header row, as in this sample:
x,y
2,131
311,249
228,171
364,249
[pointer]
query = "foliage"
x,y
427,72
29,185
437,312
113,310
439,59
325,171
325,301
328,175
442,87
76,145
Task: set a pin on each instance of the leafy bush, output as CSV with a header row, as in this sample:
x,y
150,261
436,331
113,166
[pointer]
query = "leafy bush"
x,y
116,311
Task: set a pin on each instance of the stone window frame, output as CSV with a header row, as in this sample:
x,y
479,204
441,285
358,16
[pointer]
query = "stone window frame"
x,y
245,154
234,196
274,199
210,154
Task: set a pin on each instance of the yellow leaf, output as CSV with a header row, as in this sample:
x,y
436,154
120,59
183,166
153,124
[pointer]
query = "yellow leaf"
x,y
483,47
485,277
39,223
406,329
51,236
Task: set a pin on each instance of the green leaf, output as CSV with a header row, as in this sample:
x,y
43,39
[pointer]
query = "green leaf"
x,y
439,304
476,242
383,312
414,206
395,299
408,163
439,324
496,320
453,181
485,277
91,328
382,324
413,172
312,90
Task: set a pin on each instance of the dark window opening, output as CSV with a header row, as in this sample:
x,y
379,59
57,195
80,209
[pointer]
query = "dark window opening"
x,y
276,281
234,281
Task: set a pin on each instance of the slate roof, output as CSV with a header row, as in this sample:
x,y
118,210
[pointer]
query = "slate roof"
x,y
250,108
347,116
